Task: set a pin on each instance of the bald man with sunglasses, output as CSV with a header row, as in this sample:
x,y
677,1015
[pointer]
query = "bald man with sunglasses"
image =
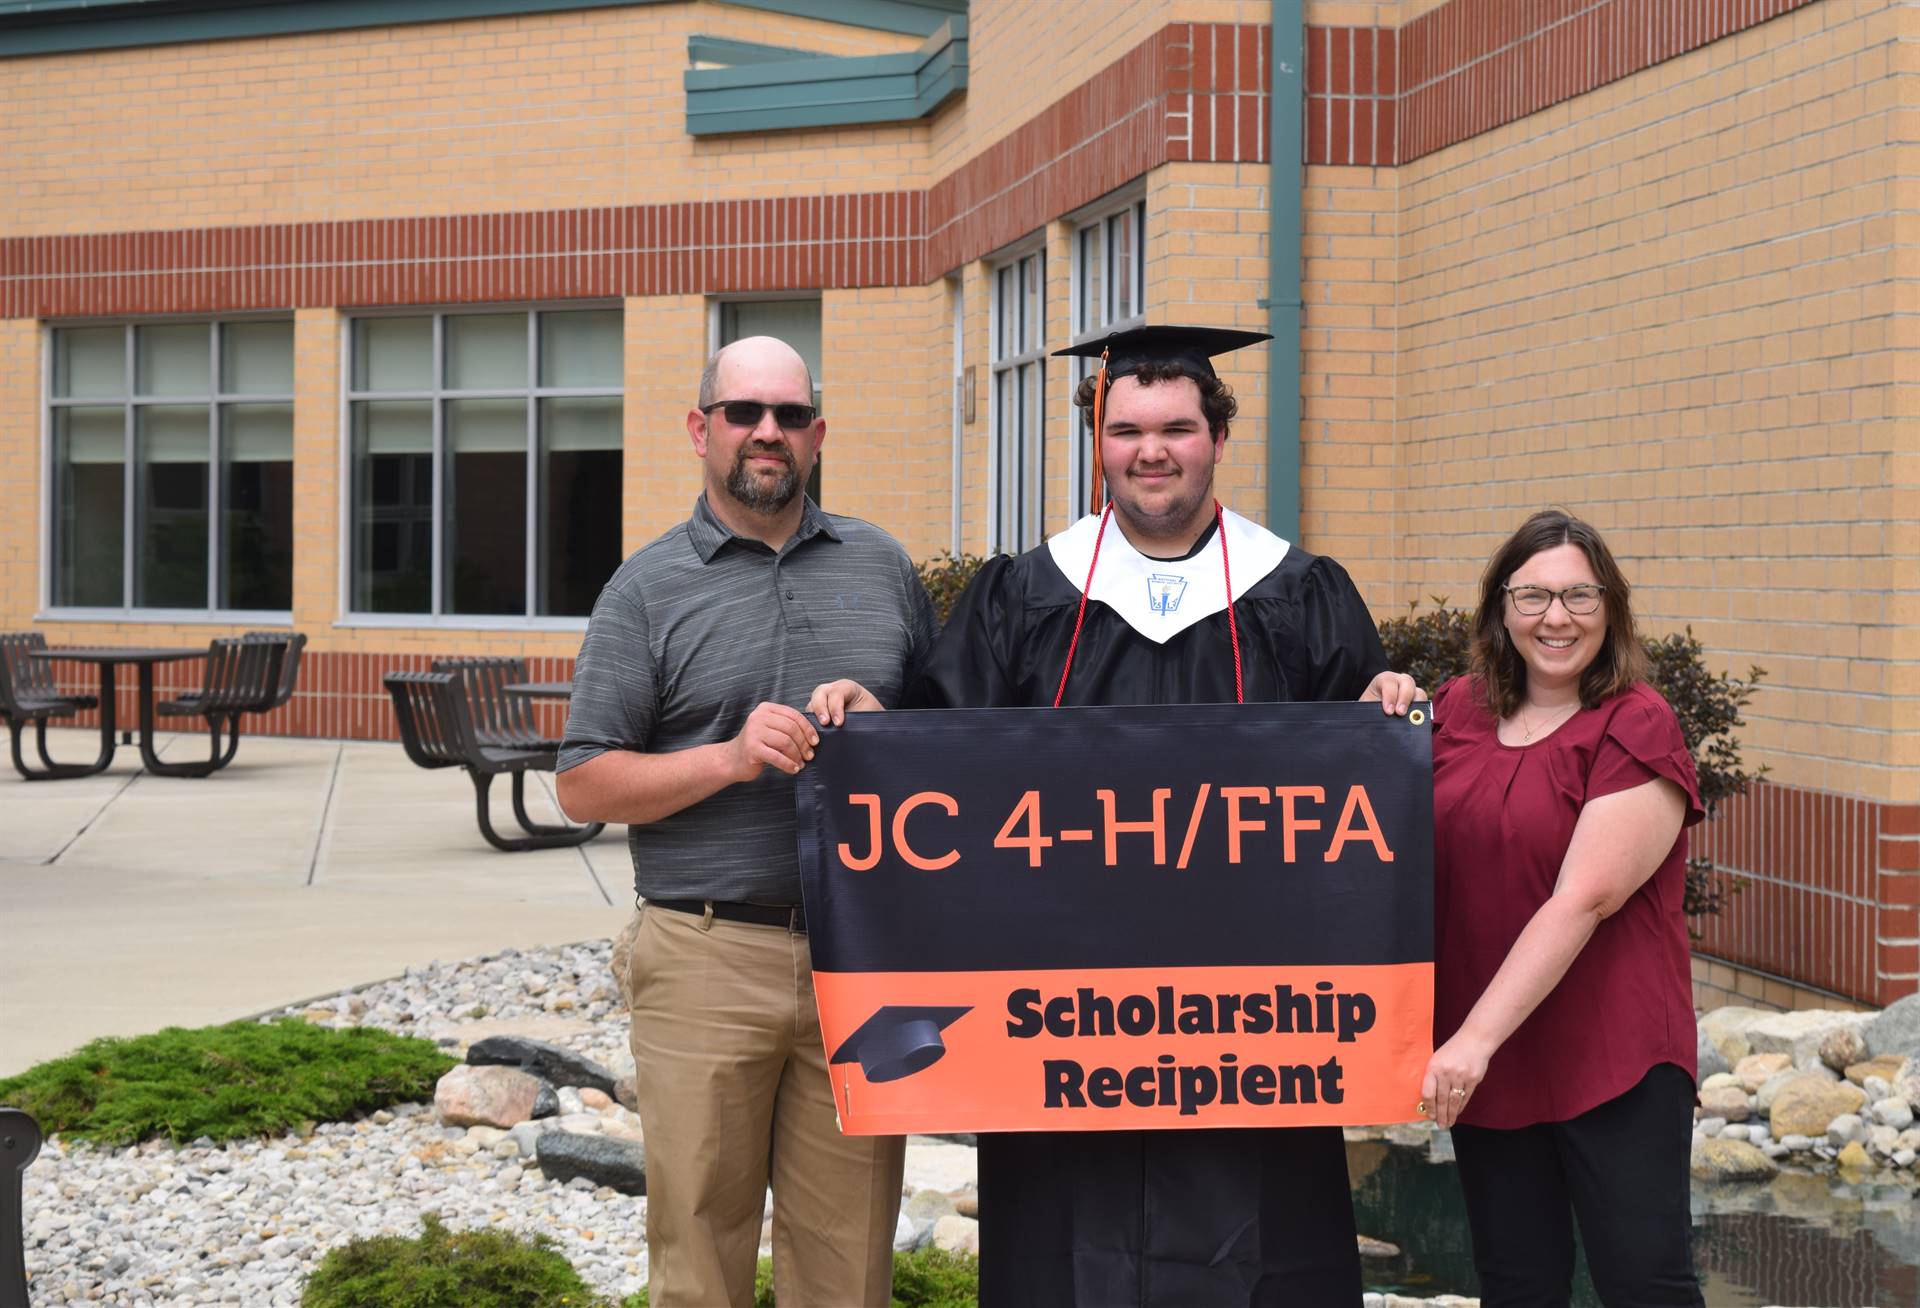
x,y
688,724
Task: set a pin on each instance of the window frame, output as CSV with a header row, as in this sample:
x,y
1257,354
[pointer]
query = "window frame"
x,y
131,402
436,397
1100,217
1017,495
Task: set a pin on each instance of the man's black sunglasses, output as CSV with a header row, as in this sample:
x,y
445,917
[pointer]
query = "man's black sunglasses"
x,y
746,413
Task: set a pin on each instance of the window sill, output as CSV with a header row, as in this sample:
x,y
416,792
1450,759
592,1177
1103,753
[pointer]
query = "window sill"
x,y
170,617
452,622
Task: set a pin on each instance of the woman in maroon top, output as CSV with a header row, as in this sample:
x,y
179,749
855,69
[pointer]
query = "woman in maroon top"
x,y
1563,1009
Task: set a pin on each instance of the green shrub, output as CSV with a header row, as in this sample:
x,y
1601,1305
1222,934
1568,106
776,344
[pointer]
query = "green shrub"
x,y
925,1278
1432,646
945,576
223,1082
447,1269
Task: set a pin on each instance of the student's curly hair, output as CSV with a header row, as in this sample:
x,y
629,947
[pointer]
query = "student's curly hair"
x,y
1217,404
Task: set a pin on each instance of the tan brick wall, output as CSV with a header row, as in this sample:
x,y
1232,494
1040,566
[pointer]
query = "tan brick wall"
x,y
887,354
20,471
537,111
1207,267
1671,305
1023,55
1350,245
319,436
666,349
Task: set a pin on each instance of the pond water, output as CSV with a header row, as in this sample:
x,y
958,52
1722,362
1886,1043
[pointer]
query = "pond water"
x,y
1801,1239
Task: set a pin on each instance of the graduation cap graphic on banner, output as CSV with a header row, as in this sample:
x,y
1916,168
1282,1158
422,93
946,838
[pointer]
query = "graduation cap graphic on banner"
x,y
899,1040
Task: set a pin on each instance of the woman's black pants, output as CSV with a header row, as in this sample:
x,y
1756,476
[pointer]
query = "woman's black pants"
x,y
1620,1169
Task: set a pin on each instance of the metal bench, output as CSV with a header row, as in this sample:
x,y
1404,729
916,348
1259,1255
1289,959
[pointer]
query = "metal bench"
x,y
501,720
437,731
271,696
243,676
27,694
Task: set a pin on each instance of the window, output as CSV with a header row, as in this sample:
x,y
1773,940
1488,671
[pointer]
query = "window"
x,y
486,462
797,322
1019,373
172,467
1109,284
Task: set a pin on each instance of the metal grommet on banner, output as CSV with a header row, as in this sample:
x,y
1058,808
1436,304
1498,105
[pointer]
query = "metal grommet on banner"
x,y
1416,717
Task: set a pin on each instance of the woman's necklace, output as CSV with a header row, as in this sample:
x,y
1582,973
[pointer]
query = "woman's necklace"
x,y
1528,732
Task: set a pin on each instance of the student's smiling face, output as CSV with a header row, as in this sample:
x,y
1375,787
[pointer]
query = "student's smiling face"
x,y
1158,456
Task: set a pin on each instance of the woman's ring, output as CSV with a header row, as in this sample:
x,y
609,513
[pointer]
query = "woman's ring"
x,y
1458,1093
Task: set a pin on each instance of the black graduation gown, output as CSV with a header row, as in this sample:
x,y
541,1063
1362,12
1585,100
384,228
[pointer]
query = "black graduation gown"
x,y
1197,1217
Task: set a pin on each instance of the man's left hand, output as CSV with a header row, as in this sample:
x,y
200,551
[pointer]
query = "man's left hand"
x,y
1395,691
831,701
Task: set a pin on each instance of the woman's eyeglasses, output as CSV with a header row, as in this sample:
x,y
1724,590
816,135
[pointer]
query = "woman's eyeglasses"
x,y
1532,601
747,413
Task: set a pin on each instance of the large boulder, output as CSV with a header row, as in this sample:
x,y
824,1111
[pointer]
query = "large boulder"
x,y
1798,1035
550,1062
1807,1104
1755,1070
1896,1030
1731,1160
1726,1030
491,1096
603,1160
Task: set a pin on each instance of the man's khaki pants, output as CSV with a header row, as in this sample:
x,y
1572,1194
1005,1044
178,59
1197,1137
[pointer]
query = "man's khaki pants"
x,y
733,1093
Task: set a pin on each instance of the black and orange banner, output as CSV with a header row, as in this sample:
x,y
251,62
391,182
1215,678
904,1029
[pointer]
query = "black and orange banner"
x,y
1122,918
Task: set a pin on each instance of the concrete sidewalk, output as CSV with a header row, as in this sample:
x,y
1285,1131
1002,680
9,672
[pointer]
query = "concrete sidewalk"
x,y
129,902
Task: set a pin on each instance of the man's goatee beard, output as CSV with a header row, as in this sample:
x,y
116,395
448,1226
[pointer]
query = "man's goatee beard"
x,y
758,496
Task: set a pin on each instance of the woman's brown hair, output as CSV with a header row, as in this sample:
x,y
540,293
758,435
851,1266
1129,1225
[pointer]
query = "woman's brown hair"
x,y
1621,662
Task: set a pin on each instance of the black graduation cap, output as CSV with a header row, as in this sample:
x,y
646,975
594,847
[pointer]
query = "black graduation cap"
x,y
898,1040
1191,348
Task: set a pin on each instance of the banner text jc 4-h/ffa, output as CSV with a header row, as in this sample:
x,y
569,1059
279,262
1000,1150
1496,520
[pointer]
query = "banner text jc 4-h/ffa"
x,y
1122,918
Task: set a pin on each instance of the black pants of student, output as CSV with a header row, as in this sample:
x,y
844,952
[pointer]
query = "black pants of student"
x,y
1620,1169
1167,1219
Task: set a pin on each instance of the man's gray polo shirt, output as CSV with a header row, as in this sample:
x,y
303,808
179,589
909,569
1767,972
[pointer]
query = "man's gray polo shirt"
x,y
698,629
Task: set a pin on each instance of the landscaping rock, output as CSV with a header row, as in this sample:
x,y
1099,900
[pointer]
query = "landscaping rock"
x,y
1842,1047
1731,1160
1906,1082
1763,1097
927,1206
1846,1129
488,1096
1710,1126
1799,1034
1720,1081
1737,1132
1896,1030
1372,1248
957,1234
1755,1070
1876,1088
1854,1157
906,1236
552,1063
1726,1101
1886,1067
1798,1144
1807,1104
602,1160
1726,1030
625,1091
597,1101
1707,1059
1893,1111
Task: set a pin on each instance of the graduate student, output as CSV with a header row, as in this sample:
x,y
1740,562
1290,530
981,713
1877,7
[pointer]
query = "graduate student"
x,y
1165,597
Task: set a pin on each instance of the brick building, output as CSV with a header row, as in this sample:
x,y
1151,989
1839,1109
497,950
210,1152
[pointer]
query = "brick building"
x,y
387,332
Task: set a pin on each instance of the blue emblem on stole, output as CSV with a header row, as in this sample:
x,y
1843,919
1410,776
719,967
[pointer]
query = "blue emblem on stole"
x,y
1164,591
